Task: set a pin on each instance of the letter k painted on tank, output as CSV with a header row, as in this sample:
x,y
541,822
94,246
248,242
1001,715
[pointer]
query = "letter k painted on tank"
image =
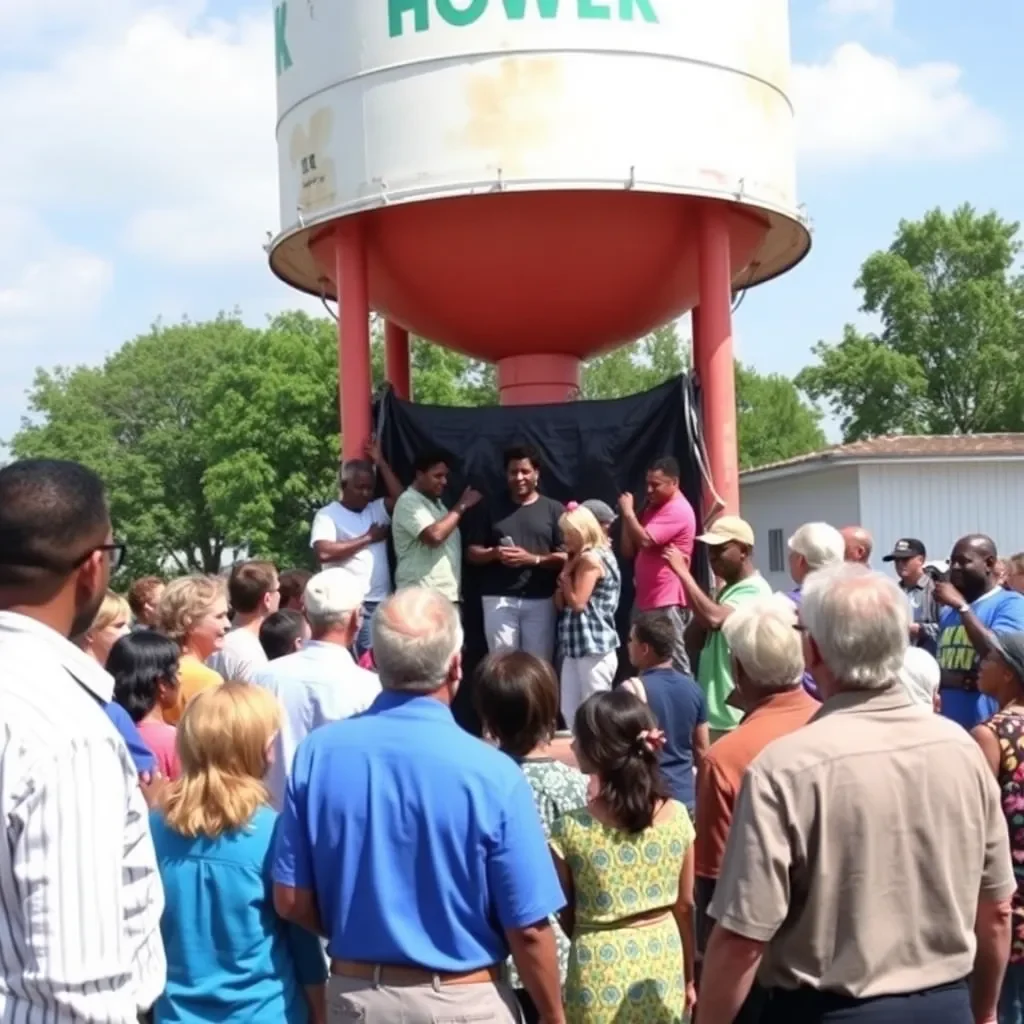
x,y
645,8
281,53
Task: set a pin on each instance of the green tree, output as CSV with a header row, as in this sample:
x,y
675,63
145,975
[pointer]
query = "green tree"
x,y
211,437
772,421
216,438
949,356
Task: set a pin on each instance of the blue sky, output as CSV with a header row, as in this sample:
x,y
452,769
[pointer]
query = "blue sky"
x,y
138,172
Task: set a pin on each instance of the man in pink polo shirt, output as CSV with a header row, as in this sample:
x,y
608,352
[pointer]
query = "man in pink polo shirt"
x,y
667,520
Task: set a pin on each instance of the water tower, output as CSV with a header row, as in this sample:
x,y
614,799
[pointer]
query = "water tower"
x,y
533,182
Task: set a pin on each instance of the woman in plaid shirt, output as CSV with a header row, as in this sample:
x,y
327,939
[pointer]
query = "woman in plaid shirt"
x,y
587,598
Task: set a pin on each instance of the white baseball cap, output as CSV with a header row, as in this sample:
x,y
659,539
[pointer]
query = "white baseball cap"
x,y
334,592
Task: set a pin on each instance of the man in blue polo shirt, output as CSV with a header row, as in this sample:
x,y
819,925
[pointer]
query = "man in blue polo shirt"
x,y
416,849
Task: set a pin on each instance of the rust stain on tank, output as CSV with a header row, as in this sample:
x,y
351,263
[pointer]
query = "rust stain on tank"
x,y
765,53
510,107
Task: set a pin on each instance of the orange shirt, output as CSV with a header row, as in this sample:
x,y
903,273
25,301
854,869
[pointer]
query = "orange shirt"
x,y
193,678
727,760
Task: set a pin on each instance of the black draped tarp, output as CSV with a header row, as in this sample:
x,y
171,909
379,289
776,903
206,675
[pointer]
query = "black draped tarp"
x,y
588,450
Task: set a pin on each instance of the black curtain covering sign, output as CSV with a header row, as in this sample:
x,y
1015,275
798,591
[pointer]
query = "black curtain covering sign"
x,y
595,449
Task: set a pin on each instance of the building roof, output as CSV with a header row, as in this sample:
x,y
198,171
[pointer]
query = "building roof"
x,y
908,447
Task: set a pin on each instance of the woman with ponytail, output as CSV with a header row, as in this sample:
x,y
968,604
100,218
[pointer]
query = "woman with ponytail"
x,y
229,956
626,865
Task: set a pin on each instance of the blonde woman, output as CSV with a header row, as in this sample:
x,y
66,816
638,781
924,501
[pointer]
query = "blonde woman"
x,y
587,598
193,612
110,624
229,956
113,621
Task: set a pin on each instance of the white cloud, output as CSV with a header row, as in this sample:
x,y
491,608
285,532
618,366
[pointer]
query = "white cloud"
x,y
860,107
43,281
880,11
165,126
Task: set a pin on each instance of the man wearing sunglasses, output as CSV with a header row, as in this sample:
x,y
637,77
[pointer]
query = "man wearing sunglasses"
x,y
79,936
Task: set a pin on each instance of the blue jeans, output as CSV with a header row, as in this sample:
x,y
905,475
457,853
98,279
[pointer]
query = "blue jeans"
x,y
364,638
1011,999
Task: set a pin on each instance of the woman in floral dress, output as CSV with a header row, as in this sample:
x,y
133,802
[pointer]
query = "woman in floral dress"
x,y
1001,739
516,697
626,864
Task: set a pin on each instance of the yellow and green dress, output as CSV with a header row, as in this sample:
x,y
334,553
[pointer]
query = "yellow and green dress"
x,y
621,973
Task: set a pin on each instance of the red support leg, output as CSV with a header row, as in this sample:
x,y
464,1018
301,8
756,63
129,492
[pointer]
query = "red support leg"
x,y
713,356
354,384
396,359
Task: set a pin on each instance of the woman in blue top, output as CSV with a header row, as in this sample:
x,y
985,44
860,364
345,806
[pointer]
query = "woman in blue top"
x,y
230,958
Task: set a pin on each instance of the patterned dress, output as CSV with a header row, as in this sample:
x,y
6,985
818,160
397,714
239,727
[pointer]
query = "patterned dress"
x,y
557,789
1008,725
621,973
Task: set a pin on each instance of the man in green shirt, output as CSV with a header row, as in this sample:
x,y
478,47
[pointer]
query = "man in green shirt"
x,y
730,543
428,547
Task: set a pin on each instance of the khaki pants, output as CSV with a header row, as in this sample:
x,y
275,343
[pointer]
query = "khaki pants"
x,y
354,1001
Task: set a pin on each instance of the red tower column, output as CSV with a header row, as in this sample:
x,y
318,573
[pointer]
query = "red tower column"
x,y
396,359
713,355
538,379
354,383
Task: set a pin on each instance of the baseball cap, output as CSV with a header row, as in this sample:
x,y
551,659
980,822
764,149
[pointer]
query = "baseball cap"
x,y
602,511
726,529
335,591
906,547
1010,647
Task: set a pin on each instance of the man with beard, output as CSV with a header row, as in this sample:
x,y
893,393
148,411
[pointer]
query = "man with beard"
x,y
516,540
908,557
79,935
974,607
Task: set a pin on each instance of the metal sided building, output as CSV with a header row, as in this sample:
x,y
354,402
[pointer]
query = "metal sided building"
x,y
934,488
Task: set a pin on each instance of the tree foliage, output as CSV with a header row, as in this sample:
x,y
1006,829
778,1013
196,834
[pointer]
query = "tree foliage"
x,y
217,438
949,355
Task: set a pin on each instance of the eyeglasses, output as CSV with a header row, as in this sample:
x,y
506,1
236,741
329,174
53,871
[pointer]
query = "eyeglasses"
x,y
116,551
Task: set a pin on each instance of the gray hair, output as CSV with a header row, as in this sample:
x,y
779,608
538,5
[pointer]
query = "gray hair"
x,y
353,467
921,676
416,634
859,621
763,639
819,544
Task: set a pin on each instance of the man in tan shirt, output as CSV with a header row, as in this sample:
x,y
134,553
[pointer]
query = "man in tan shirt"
x,y
868,866
767,667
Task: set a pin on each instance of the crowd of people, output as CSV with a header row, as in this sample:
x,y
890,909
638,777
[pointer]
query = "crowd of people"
x,y
245,797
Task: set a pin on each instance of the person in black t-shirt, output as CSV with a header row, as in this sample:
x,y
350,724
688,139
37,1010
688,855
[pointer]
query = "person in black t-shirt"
x,y
517,542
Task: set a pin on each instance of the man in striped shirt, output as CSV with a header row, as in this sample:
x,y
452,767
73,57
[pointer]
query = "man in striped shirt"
x,y
80,896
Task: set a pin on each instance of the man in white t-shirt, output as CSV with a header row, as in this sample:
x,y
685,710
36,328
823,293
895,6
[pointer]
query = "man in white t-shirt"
x,y
254,593
351,533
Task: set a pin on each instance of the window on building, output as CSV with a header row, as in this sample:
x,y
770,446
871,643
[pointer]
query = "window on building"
x,y
776,551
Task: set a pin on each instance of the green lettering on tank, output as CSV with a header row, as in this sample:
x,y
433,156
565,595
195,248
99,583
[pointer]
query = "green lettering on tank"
x,y
398,9
515,10
462,13
461,17
644,7
282,55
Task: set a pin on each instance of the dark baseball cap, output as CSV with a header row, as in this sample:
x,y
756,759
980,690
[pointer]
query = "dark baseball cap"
x,y
1010,647
601,510
906,547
